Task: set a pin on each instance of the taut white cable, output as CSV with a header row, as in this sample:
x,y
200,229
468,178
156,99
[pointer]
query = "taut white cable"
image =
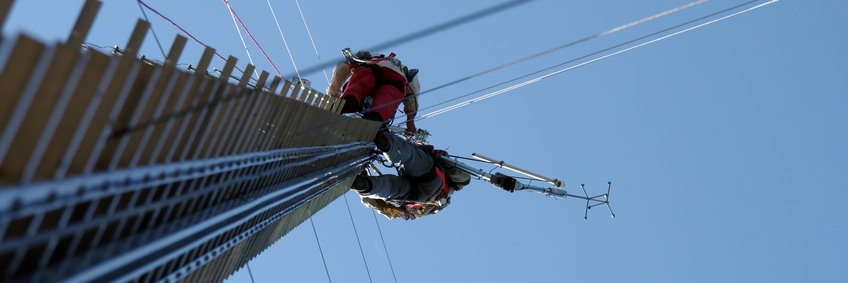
x,y
243,43
285,42
314,47
535,80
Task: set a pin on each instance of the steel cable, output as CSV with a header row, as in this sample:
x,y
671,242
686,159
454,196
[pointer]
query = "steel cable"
x,y
285,42
537,79
607,32
238,30
312,40
186,33
253,39
358,241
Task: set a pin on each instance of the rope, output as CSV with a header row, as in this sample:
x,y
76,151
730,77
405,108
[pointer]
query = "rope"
x,y
384,243
153,31
232,15
538,79
315,232
253,39
285,42
186,33
250,272
358,241
314,47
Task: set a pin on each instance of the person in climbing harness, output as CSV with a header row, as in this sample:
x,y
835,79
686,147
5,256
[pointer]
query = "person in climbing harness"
x,y
377,86
424,183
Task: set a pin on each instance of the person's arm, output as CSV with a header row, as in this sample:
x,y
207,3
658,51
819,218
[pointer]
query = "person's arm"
x,y
410,108
340,73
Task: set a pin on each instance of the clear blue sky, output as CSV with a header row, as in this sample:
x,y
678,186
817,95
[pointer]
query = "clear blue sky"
x,y
726,146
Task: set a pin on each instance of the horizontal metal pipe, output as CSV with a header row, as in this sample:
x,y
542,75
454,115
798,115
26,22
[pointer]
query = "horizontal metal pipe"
x,y
507,166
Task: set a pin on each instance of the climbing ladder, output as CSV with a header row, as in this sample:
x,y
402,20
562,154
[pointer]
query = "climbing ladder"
x,y
115,168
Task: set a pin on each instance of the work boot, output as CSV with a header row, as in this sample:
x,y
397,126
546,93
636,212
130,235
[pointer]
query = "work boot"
x,y
381,140
361,184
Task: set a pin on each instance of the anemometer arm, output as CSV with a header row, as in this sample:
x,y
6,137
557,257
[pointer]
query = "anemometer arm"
x,y
511,184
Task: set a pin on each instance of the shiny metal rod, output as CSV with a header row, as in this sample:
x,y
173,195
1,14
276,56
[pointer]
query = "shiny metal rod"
x,y
555,182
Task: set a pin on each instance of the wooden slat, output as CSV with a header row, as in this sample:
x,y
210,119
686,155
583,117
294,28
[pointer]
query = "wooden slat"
x,y
156,93
288,109
272,88
113,148
84,21
109,99
326,102
340,106
334,104
184,143
172,104
295,90
266,125
228,69
5,7
20,64
136,38
73,114
245,78
252,131
171,94
261,81
319,100
248,118
207,116
254,111
286,88
313,98
229,118
292,125
304,95
205,59
38,113
199,88
176,50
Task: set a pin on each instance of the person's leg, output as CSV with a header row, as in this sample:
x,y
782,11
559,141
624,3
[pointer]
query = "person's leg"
x,y
413,160
360,85
384,187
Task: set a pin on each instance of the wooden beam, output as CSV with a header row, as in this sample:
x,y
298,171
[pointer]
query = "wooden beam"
x,y
245,78
262,78
286,88
205,59
5,7
228,69
45,88
137,37
295,90
84,21
274,83
340,107
174,53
